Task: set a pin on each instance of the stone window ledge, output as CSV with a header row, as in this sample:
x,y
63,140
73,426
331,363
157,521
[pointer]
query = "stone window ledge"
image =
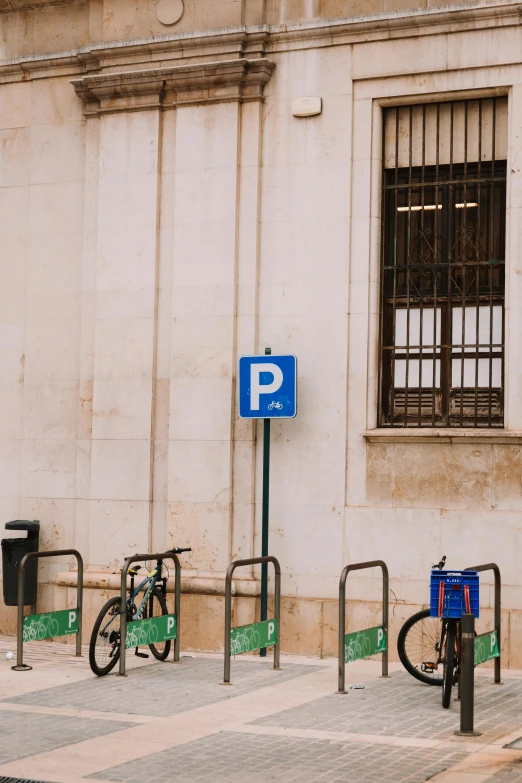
x,y
443,435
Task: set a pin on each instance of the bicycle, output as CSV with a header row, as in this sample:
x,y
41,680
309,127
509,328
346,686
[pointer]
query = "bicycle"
x,y
426,643
104,645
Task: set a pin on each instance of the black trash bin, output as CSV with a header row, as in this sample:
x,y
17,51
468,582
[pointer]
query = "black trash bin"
x,y
13,550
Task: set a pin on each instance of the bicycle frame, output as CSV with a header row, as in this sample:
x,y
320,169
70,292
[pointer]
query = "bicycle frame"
x,y
153,580
443,630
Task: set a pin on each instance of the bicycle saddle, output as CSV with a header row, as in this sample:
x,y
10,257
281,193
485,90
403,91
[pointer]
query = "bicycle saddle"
x,y
133,570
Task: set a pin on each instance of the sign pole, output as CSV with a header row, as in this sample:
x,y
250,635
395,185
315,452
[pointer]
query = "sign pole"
x,y
265,518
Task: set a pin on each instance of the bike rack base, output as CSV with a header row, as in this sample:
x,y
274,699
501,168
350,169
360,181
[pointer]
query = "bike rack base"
x,y
467,733
22,668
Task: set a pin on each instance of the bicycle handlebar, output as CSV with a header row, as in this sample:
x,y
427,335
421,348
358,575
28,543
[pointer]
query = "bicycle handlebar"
x,y
176,551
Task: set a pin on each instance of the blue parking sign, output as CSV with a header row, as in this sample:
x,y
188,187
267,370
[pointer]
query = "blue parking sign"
x,y
267,387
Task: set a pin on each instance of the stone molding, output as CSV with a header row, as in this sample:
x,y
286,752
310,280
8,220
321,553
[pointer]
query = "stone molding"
x,y
201,585
256,40
9,6
167,88
443,435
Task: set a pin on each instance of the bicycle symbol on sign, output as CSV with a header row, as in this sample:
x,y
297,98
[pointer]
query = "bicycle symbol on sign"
x,y
274,404
357,648
145,633
43,627
245,641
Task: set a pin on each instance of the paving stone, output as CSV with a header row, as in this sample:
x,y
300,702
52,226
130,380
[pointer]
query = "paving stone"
x,y
164,689
401,706
235,758
510,774
25,734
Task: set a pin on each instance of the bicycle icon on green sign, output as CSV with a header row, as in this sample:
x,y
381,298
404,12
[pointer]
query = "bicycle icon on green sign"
x,y
42,626
245,640
357,648
145,633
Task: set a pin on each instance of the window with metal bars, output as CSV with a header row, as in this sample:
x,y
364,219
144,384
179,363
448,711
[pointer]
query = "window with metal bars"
x,y
442,271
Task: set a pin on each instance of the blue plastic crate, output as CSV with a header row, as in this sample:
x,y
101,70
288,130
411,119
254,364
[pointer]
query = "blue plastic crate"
x,y
450,600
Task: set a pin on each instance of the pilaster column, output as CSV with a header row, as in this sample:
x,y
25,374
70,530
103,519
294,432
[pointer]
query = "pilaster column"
x,y
206,170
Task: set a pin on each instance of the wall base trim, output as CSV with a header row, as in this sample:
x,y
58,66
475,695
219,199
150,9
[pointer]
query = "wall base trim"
x,y
201,585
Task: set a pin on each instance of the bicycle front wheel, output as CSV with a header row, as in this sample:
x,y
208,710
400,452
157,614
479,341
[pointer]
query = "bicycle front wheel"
x,y
419,645
104,646
156,607
450,661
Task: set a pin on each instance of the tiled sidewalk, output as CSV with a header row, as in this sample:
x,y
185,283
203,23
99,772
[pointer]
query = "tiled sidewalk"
x,y
164,722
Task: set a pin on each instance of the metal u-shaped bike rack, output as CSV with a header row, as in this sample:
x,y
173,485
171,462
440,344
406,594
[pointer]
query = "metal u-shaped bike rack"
x,y
342,617
228,608
123,603
20,665
497,614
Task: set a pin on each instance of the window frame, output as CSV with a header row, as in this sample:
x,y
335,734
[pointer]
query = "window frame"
x,y
460,177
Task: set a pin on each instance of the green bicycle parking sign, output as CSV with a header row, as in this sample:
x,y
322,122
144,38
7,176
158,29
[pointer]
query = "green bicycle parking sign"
x,y
363,644
50,625
247,638
150,631
486,647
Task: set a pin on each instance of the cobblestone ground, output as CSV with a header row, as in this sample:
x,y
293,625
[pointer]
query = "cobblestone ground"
x,y
511,774
24,735
165,722
237,758
401,707
163,689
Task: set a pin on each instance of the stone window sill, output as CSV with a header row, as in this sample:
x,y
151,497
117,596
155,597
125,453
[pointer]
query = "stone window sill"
x,y
443,435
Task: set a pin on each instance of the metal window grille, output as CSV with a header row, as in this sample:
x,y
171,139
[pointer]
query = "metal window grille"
x,y
442,271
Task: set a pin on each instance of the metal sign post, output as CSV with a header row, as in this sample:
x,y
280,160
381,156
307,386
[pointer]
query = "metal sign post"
x,y
265,523
259,398
467,677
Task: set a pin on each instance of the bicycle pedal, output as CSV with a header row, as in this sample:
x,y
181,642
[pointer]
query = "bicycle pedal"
x,y
140,655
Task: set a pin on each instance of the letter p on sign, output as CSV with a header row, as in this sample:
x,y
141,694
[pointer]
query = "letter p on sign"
x,y
72,618
171,621
271,630
257,388
380,637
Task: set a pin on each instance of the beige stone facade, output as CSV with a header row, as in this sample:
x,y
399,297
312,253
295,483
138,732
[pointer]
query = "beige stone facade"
x,y
163,213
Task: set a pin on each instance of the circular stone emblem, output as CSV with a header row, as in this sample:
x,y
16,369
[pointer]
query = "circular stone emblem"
x,y
169,11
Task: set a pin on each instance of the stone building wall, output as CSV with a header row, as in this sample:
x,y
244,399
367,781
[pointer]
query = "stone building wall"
x,y
162,213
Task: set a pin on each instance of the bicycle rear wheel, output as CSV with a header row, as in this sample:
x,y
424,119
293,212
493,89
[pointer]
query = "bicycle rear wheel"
x,y
450,662
419,645
156,607
104,646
